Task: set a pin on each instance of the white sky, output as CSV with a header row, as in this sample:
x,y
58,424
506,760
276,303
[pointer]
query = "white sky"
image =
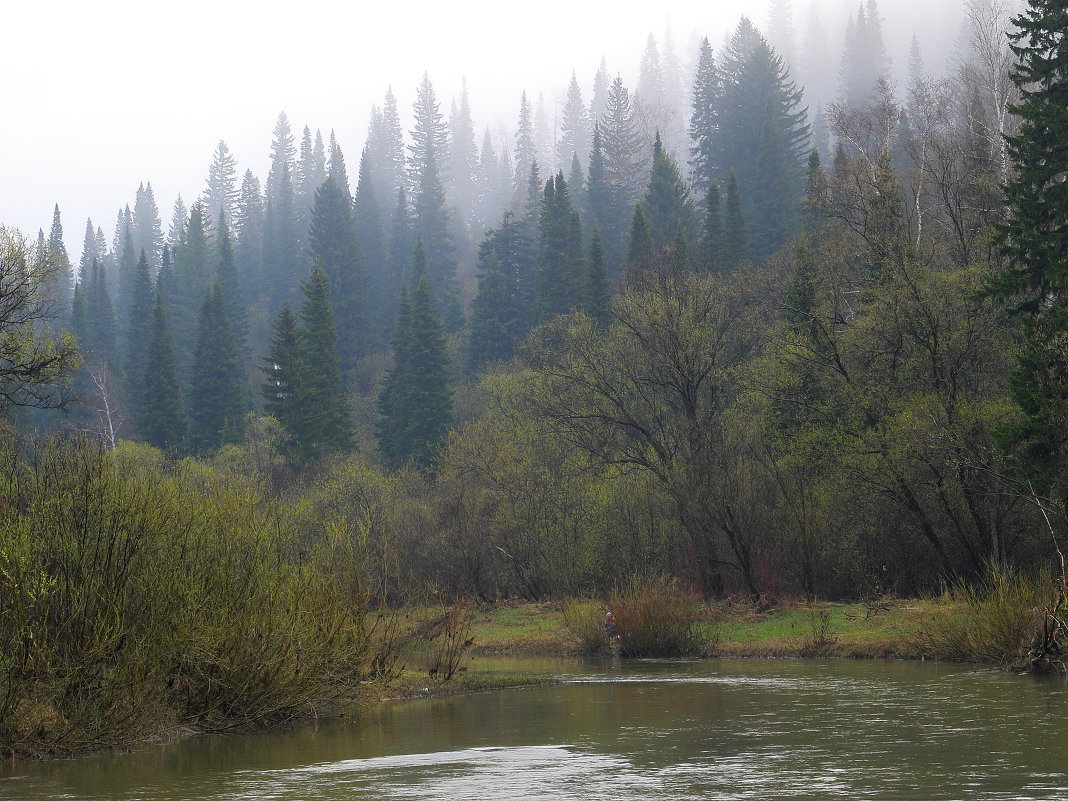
x,y
99,96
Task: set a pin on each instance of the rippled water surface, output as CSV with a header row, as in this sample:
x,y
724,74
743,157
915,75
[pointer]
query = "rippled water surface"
x,y
647,730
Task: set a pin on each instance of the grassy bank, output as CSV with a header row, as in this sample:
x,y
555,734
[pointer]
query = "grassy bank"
x,y
847,630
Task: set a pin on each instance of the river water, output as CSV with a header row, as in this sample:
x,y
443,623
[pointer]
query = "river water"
x,y
756,729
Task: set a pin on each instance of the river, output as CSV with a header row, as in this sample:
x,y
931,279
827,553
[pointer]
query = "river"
x,y
648,730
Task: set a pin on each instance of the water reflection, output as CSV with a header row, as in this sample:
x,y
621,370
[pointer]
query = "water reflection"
x,y
648,730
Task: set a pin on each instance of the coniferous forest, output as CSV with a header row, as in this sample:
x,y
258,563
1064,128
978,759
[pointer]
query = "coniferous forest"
x,y
768,321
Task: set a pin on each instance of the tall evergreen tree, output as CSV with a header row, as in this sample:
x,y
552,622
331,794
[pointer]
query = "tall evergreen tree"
x,y
710,254
704,123
59,261
162,416
1034,238
333,247
148,230
763,137
735,237
179,219
559,277
281,237
430,217
525,152
284,371
370,236
667,202
416,403
641,257
221,194
596,295
218,392
464,155
139,326
501,312
575,131
248,228
233,292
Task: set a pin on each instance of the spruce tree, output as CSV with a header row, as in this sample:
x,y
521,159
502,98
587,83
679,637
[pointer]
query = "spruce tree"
x,y
735,239
596,295
1034,238
218,392
369,229
464,155
139,325
710,254
559,277
525,154
233,291
641,257
284,371
333,247
162,417
62,276
248,228
221,195
324,423
148,230
667,204
496,318
389,424
575,129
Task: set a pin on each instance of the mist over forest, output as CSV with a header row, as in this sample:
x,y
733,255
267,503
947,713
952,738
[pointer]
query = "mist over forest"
x,y
771,309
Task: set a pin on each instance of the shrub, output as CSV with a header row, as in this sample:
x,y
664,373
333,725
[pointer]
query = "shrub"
x,y
655,617
994,621
585,622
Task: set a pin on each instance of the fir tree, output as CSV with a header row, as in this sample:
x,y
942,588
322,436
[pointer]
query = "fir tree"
x,y
575,129
370,236
336,168
1034,238
464,155
332,243
559,277
667,204
498,317
148,230
417,400
162,418
735,239
389,425
596,294
281,240
221,195
218,393
284,371
179,219
525,153
139,325
248,228
62,274
710,254
324,423
703,119
233,292
641,257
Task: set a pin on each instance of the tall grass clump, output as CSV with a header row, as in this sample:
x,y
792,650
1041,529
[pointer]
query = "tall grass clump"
x,y
996,621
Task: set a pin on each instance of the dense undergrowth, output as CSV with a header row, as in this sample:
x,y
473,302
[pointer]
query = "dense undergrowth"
x,y
138,594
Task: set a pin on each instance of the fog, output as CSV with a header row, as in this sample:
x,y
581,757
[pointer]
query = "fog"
x,y
103,96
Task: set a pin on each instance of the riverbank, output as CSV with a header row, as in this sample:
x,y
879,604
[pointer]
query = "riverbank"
x,y
860,631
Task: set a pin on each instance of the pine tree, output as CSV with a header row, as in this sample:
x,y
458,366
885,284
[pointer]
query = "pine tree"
x,y
763,137
596,295
281,239
464,154
1034,238
389,425
575,129
333,247
559,277
370,236
667,203
429,151
525,153
641,257
416,401
284,371
233,292
62,276
179,219
139,325
162,418
704,123
500,312
735,239
325,420
148,230
248,228
710,253
336,168
221,195
218,393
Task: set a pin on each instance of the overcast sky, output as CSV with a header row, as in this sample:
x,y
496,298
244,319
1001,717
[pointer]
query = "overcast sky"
x,y
101,96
